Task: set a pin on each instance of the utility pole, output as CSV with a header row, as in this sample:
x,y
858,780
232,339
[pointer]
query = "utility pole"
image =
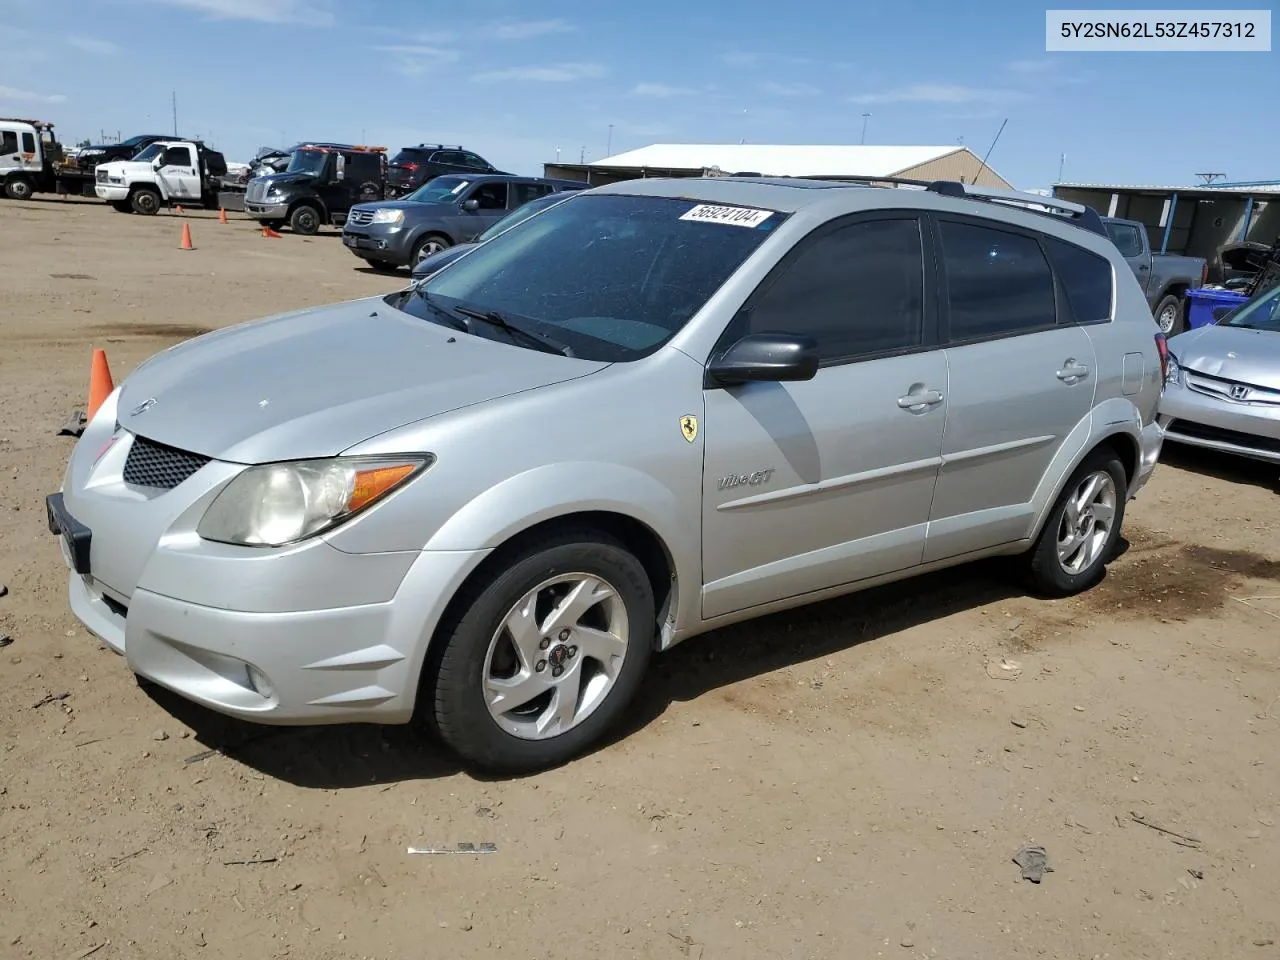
x,y
608,151
582,155
1062,159
175,113
865,118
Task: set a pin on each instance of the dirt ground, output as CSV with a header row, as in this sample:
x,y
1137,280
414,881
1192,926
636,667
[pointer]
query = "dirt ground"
x,y
850,780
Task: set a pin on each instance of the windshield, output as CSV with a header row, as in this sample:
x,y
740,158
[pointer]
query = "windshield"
x,y
150,153
133,141
438,190
1261,313
612,276
521,214
307,161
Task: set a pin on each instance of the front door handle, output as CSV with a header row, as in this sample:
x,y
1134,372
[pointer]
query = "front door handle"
x,y
915,402
1072,372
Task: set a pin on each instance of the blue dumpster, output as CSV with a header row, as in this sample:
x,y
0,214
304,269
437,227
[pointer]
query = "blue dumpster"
x,y
1206,307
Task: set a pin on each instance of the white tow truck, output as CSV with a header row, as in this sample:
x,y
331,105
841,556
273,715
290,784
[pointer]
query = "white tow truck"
x,y
166,173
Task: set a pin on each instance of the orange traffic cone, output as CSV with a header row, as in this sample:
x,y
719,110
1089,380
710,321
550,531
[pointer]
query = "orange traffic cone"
x,y
186,237
222,215
178,209
268,232
100,385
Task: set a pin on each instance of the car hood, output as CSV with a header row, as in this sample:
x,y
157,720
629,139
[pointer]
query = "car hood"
x,y
285,179
314,382
409,206
122,167
1232,353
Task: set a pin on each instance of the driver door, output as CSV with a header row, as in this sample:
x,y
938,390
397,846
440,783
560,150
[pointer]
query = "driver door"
x,y
178,175
491,206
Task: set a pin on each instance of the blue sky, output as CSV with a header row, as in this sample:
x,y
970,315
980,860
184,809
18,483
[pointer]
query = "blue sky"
x,y
517,79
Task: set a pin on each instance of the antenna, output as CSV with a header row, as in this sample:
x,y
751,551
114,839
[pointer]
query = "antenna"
x,y
608,150
1062,159
983,166
1208,178
865,118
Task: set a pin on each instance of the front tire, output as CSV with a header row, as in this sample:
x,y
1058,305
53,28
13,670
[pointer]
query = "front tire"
x,y
1169,315
19,188
145,201
305,220
428,246
1080,535
544,654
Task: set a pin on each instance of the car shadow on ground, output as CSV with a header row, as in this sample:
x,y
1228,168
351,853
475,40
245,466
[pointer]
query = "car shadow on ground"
x,y
355,755
1222,466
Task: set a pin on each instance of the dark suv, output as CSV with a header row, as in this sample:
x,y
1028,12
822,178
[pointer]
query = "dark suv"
x,y
414,166
449,210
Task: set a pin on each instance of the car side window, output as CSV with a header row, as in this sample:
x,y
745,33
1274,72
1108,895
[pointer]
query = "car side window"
x,y
28,143
998,282
858,290
474,162
522,193
492,196
8,143
1086,278
1126,238
177,157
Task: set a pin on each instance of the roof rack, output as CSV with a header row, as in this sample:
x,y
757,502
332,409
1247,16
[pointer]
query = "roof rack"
x,y
443,146
1083,216
329,147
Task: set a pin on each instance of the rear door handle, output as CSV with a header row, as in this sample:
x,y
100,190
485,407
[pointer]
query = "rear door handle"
x,y
920,401
1072,372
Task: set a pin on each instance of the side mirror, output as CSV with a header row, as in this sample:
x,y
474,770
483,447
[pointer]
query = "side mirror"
x,y
157,163
769,357
470,204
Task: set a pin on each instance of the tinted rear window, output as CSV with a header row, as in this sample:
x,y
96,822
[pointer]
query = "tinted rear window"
x,y
612,276
1085,276
998,283
1126,238
409,156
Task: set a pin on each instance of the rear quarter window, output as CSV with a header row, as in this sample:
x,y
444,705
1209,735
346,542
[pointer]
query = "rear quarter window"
x,y
1086,278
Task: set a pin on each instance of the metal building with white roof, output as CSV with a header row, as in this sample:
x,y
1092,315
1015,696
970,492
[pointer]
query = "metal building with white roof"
x,y
824,162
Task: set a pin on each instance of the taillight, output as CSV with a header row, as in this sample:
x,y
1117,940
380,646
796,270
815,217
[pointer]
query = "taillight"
x,y
411,167
1204,273
1162,347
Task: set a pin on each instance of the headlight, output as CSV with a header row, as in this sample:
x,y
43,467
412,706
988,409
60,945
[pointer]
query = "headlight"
x,y
1173,372
388,216
279,503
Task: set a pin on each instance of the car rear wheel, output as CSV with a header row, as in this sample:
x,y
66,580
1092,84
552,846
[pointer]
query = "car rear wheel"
x,y
1080,536
544,654
1168,314
429,246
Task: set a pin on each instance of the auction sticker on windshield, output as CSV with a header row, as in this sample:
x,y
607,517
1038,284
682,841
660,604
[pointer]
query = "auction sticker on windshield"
x,y
731,216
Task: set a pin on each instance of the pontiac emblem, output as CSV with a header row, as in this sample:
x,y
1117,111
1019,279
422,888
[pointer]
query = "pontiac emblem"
x,y
689,427
143,407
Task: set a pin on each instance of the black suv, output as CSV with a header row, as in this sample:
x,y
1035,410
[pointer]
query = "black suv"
x,y
414,166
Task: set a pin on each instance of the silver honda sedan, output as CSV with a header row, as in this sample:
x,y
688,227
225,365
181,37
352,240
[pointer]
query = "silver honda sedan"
x,y
1223,389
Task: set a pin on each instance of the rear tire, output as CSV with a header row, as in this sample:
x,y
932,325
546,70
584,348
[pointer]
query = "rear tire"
x,y
592,652
1080,535
19,188
1170,315
146,201
305,220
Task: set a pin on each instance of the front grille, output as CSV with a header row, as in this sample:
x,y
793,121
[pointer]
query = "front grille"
x,y
1222,389
155,465
360,216
1200,431
255,191
102,176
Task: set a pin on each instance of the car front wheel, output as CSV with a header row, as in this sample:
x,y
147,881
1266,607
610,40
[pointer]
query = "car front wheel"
x,y
544,654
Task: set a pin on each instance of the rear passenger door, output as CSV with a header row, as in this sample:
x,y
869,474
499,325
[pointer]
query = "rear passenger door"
x,y
1022,376
814,484
522,193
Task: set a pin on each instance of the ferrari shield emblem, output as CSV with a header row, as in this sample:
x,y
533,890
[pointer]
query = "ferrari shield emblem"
x,y
689,427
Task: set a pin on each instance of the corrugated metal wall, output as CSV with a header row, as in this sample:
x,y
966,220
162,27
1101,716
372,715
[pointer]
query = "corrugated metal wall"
x,y
955,166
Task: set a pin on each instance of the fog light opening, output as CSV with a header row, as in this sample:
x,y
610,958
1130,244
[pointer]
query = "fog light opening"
x,y
258,680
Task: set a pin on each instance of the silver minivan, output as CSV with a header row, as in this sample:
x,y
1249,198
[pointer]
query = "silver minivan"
x,y
484,501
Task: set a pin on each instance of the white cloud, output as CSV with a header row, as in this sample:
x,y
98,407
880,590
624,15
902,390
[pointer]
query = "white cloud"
x,y
416,59
552,73
15,95
660,90
788,89
92,45
940,93
261,11
527,29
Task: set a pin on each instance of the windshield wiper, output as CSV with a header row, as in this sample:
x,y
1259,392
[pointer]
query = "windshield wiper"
x,y
498,319
440,310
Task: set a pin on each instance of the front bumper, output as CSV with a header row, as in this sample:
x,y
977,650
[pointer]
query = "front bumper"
x,y
111,191
1216,423
295,635
369,243
267,211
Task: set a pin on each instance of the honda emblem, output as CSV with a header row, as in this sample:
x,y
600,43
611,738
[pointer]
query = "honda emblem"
x,y
1239,392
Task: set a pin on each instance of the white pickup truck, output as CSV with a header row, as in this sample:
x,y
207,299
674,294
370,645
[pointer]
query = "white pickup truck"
x,y
167,172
